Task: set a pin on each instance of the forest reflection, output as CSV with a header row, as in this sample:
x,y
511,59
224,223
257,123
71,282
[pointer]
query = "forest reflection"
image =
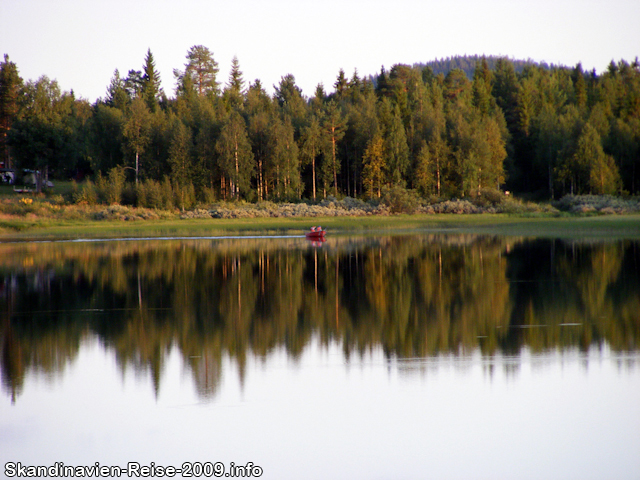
x,y
412,296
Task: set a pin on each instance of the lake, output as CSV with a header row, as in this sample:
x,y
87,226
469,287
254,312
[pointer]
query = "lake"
x,y
409,356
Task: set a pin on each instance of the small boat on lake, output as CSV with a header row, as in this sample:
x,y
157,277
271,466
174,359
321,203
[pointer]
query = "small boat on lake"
x,y
315,233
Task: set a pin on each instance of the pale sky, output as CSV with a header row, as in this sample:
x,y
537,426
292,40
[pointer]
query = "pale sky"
x,y
81,42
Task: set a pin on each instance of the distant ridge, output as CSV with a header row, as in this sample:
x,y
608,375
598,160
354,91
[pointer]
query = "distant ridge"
x,y
467,63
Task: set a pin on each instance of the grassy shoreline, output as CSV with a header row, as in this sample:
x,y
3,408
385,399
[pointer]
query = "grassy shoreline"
x,y
566,226
51,216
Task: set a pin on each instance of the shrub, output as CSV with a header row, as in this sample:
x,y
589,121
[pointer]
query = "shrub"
x,y
87,194
184,196
605,204
166,195
400,200
114,185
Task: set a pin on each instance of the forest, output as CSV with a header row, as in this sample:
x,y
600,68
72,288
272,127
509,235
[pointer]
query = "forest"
x,y
499,125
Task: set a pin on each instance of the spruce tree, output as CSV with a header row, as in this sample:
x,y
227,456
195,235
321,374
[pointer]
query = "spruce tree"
x,y
151,90
235,91
117,95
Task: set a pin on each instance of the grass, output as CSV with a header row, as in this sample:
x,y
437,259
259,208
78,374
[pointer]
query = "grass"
x,y
627,226
33,217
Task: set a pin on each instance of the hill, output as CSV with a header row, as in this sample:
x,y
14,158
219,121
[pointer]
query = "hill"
x,y
467,63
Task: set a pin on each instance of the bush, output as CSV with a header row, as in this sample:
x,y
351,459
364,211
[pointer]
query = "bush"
x,y
400,200
114,186
184,196
87,194
604,204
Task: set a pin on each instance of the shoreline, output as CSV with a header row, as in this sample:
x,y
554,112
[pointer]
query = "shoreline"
x,y
544,226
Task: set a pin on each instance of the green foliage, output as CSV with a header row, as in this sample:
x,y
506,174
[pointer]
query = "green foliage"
x,y
200,72
481,124
400,200
86,194
151,90
374,166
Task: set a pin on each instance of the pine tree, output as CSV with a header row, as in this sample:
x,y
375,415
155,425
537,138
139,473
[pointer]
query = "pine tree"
x,y
133,83
151,90
201,71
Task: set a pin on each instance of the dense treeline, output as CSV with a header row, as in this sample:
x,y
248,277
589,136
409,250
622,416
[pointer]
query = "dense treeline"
x,y
410,296
544,130
468,64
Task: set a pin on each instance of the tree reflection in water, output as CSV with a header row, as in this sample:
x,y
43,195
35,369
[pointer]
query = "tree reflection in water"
x,y
414,296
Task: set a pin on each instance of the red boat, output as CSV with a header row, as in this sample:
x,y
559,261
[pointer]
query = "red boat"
x,y
316,233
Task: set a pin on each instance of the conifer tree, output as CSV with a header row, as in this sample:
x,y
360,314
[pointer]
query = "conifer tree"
x,y
117,96
133,83
201,72
235,90
151,90
341,84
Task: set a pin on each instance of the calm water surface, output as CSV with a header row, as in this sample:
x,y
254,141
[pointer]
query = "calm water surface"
x,y
399,357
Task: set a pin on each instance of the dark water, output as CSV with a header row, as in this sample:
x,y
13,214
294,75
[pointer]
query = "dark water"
x,y
392,357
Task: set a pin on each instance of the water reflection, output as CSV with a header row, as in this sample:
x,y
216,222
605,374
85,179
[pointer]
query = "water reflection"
x,y
414,296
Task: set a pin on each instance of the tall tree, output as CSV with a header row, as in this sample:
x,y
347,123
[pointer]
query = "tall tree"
x,y
151,89
259,108
334,126
285,161
290,99
235,90
10,85
601,175
180,160
136,131
311,141
117,95
133,83
373,166
201,70
396,148
341,84
235,155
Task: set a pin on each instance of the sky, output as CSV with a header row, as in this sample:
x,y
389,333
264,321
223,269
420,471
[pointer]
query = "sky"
x,y
80,43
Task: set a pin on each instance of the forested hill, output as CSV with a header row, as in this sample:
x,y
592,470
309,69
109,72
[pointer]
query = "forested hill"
x,y
468,63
